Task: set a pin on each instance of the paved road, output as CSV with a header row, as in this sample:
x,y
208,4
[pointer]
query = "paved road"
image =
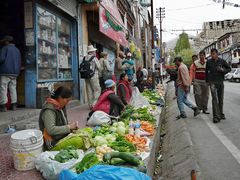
x,y
217,146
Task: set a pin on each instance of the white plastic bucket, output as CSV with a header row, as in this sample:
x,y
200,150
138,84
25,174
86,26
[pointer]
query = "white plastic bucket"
x,y
26,145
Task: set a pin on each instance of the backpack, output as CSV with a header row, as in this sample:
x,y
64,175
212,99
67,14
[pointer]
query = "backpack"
x,y
86,69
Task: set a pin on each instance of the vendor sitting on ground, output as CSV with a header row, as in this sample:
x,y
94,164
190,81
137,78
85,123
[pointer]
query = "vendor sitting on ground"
x,y
108,101
124,89
53,120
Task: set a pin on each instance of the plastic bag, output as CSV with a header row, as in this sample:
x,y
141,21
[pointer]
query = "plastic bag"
x,y
105,172
137,99
51,169
98,118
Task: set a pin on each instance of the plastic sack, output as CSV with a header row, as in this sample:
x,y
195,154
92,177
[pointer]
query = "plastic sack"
x,y
138,100
105,172
51,169
98,118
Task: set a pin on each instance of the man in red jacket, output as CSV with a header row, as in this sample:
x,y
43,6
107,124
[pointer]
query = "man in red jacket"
x,y
201,89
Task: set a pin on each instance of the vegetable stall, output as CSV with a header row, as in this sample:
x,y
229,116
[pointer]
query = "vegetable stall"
x,y
131,141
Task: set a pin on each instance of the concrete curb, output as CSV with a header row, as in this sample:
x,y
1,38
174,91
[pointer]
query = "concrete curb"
x,y
178,154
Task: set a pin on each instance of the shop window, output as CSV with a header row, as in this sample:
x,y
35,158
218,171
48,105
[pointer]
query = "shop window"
x,y
228,42
211,25
54,52
222,24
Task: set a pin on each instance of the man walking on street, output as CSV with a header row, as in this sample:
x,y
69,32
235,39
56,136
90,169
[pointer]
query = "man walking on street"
x,y
200,87
183,83
10,65
216,68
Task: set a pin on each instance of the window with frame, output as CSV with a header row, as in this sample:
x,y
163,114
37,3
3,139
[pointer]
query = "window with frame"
x,y
54,47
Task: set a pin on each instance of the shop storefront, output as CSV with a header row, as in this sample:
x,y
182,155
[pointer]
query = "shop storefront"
x,y
12,23
106,29
51,57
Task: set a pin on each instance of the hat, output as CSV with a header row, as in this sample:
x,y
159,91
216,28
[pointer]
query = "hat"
x,y
129,54
109,83
90,48
7,38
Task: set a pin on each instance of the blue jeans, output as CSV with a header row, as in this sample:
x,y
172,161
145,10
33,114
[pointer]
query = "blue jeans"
x,y
182,99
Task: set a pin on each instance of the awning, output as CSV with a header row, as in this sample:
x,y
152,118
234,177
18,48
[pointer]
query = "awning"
x,y
110,22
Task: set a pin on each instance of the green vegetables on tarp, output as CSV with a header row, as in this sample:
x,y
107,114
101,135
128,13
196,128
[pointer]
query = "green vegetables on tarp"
x,y
122,145
66,154
141,114
101,131
152,96
80,140
87,162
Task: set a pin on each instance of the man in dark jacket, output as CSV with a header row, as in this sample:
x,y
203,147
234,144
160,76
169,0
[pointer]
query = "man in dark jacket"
x,y
216,68
10,65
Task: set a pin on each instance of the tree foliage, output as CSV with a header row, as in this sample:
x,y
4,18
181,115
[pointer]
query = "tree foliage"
x,y
186,55
182,43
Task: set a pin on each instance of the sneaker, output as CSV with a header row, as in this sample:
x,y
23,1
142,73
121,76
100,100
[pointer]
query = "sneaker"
x,y
3,108
196,111
183,116
206,112
216,120
223,117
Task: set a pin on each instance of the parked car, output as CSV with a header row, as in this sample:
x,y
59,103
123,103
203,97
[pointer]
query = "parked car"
x,y
236,75
229,76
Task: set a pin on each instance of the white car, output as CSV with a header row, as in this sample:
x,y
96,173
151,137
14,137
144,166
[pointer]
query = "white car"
x,y
229,76
236,75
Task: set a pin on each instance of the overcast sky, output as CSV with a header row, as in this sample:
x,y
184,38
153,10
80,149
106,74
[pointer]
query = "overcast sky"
x,y
190,14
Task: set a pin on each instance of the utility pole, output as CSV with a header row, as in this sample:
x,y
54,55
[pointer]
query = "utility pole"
x,y
160,14
152,58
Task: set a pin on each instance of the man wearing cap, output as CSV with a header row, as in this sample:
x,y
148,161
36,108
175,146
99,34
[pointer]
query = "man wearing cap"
x,y
183,83
92,84
128,65
108,101
10,65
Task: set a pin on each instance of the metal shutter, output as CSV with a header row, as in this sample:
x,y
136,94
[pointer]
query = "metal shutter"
x,y
69,6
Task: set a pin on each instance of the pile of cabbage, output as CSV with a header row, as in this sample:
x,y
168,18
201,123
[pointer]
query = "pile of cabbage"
x,y
105,135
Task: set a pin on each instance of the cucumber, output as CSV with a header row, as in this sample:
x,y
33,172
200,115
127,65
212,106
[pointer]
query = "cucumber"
x,y
117,161
130,159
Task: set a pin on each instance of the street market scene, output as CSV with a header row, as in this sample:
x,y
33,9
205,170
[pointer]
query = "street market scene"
x,y
119,90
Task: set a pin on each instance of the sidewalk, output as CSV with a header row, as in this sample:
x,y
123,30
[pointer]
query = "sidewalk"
x,y
7,171
178,156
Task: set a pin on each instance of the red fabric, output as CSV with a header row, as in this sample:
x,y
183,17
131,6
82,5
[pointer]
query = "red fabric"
x,y
54,102
200,75
8,105
128,89
103,103
200,71
114,78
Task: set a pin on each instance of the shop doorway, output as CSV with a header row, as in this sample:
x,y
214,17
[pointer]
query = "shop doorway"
x,y
12,23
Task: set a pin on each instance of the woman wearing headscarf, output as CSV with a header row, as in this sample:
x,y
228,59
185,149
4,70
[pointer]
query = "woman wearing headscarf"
x,y
108,101
124,89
